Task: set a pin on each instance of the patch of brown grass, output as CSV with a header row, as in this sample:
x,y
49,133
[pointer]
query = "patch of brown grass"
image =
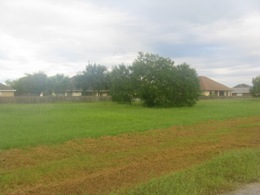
x,y
99,166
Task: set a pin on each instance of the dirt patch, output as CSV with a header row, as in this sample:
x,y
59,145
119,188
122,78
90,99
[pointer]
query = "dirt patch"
x,y
99,166
249,189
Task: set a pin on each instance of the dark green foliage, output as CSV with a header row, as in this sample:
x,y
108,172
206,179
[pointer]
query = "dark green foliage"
x,y
152,76
255,91
156,82
186,85
121,86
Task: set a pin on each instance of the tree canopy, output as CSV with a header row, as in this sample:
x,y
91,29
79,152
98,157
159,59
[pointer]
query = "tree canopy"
x,y
255,91
31,84
58,84
38,83
121,86
155,81
93,78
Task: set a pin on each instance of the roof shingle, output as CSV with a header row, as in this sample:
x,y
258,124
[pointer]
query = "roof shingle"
x,y
207,84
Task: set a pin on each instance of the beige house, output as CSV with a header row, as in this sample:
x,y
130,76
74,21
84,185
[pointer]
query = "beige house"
x,y
6,91
210,87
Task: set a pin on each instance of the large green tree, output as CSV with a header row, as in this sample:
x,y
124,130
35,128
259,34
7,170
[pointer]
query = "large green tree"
x,y
153,77
156,81
255,91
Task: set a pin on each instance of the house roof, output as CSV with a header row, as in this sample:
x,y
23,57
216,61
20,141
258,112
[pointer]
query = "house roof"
x,y
207,84
242,86
5,88
241,89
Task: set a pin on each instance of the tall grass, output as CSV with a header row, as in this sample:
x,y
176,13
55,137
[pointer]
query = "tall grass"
x,y
216,176
25,125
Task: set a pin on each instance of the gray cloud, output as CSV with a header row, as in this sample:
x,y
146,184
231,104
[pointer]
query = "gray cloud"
x,y
218,38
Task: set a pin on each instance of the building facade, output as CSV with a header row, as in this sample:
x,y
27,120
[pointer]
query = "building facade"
x,y
6,91
210,87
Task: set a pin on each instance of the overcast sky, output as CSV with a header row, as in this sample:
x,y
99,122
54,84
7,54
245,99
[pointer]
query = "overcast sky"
x,y
219,38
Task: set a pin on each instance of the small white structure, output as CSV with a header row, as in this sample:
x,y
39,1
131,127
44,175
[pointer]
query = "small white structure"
x,y
75,93
241,90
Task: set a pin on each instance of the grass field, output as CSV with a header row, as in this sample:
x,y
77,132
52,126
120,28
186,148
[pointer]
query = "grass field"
x,y
102,148
221,174
31,125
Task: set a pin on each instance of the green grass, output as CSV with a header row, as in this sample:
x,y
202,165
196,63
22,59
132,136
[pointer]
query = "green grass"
x,y
24,125
221,174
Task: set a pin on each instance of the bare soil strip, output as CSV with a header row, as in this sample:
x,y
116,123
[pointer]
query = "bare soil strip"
x,y
249,189
100,166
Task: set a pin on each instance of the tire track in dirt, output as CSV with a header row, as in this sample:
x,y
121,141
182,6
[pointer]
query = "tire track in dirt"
x,y
123,161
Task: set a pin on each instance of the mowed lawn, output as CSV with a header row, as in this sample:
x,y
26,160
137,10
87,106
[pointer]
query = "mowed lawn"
x,y
26,125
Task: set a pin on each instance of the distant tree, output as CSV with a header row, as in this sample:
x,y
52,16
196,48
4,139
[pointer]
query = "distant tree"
x,y
58,83
15,85
121,86
255,90
9,83
93,78
31,84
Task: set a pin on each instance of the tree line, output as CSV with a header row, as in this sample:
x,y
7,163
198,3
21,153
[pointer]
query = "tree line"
x,y
151,79
38,83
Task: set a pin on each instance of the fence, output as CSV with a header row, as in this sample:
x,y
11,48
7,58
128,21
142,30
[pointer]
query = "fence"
x,y
56,99
51,99
223,97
